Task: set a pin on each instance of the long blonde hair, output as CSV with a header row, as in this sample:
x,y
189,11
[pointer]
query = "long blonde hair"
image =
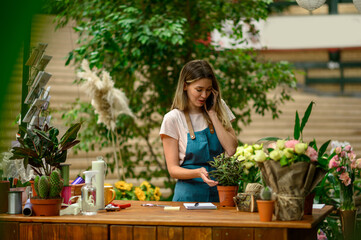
x,y
191,72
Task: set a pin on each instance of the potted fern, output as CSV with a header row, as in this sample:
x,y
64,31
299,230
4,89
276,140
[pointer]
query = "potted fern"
x,y
48,189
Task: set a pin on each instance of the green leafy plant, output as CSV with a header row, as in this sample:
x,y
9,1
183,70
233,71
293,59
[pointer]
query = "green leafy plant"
x,y
227,170
49,186
42,149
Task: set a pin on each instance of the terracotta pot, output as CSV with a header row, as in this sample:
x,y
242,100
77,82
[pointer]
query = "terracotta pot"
x,y
32,188
226,194
265,210
46,207
348,223
308,204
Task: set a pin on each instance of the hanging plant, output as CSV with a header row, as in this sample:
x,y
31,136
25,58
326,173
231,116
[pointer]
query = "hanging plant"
x,y
310,5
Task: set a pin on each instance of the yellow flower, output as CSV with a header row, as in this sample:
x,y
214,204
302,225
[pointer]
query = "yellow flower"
x,y
121,185
156,198
157,192
139,193
146,184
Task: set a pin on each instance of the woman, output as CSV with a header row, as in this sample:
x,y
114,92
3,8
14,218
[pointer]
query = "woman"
x,y
197,129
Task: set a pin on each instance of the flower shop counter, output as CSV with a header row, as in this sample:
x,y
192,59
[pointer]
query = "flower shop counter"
x,y
139,222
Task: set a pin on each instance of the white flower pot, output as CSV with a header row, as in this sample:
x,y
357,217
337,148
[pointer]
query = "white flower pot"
x,y
310,5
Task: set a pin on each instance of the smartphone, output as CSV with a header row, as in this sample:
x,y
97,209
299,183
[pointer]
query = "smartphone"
x,y
209,102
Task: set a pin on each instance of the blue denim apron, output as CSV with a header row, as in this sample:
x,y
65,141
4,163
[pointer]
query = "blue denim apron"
x,y
202,146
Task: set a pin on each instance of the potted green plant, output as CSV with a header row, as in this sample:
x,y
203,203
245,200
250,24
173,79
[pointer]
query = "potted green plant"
x,y
227,172
265,205
42,150
48,189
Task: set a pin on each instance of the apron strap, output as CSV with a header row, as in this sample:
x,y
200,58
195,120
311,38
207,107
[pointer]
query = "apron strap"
x,y
190,127
210,125
211,128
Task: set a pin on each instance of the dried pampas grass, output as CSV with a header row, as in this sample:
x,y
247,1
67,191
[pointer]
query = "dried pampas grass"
x,y
108,102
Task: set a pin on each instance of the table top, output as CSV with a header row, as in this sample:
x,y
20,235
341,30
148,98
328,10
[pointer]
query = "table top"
x,y
140,215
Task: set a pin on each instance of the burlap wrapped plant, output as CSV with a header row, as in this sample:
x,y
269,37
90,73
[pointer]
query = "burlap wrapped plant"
x,y
292,168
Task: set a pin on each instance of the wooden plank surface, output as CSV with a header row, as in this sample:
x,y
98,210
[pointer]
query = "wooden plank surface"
x,y
233,233
76,231
144,233
30,231
97,232
9,230
54,231
169,233
121,232
270,234
199,233
138,215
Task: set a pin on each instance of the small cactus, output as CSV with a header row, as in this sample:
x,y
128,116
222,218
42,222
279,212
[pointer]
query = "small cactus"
x,y
43,187
266,193
56,184
36,184
49,186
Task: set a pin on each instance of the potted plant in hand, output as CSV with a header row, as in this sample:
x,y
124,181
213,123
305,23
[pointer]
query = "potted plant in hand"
x,y
48,189
227,172
265,205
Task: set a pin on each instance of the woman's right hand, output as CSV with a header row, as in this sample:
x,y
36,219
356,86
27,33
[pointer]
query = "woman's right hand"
x,y
204,175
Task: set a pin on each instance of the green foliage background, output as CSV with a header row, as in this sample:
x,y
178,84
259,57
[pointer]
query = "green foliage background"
x,y
144,44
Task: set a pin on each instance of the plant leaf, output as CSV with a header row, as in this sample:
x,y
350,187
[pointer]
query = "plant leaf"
x,y
296,131
323,148
306,115
268,139
71,134
20,152
69,145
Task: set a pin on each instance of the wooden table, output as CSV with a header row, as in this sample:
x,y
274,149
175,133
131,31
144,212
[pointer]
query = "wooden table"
x,y
138,222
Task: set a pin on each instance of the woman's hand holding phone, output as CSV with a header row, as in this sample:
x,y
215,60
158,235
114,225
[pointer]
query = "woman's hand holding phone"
x,y
211,100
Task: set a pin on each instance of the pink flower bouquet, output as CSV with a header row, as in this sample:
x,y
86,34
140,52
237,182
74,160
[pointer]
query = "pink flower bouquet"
x,y
344,167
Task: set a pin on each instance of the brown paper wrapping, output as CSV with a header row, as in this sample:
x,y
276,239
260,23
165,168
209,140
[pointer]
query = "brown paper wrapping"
x,y
291,184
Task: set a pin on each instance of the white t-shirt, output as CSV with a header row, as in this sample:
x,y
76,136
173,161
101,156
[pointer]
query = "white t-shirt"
x,y
175,125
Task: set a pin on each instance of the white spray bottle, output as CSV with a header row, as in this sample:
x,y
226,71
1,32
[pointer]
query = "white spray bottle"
x,y
88,194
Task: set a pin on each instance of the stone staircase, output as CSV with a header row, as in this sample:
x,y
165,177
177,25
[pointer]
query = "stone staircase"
x,y
336,118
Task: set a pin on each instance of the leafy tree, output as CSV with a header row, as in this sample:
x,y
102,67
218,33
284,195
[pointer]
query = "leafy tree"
x,y
144,44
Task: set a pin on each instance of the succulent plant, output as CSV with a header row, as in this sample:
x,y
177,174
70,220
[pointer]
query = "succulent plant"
x,y
266,193
49,186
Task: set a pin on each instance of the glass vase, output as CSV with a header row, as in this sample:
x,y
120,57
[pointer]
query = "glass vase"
x,y
346,197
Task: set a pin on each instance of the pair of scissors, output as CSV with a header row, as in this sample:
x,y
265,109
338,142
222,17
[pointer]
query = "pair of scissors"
x,y
153,205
